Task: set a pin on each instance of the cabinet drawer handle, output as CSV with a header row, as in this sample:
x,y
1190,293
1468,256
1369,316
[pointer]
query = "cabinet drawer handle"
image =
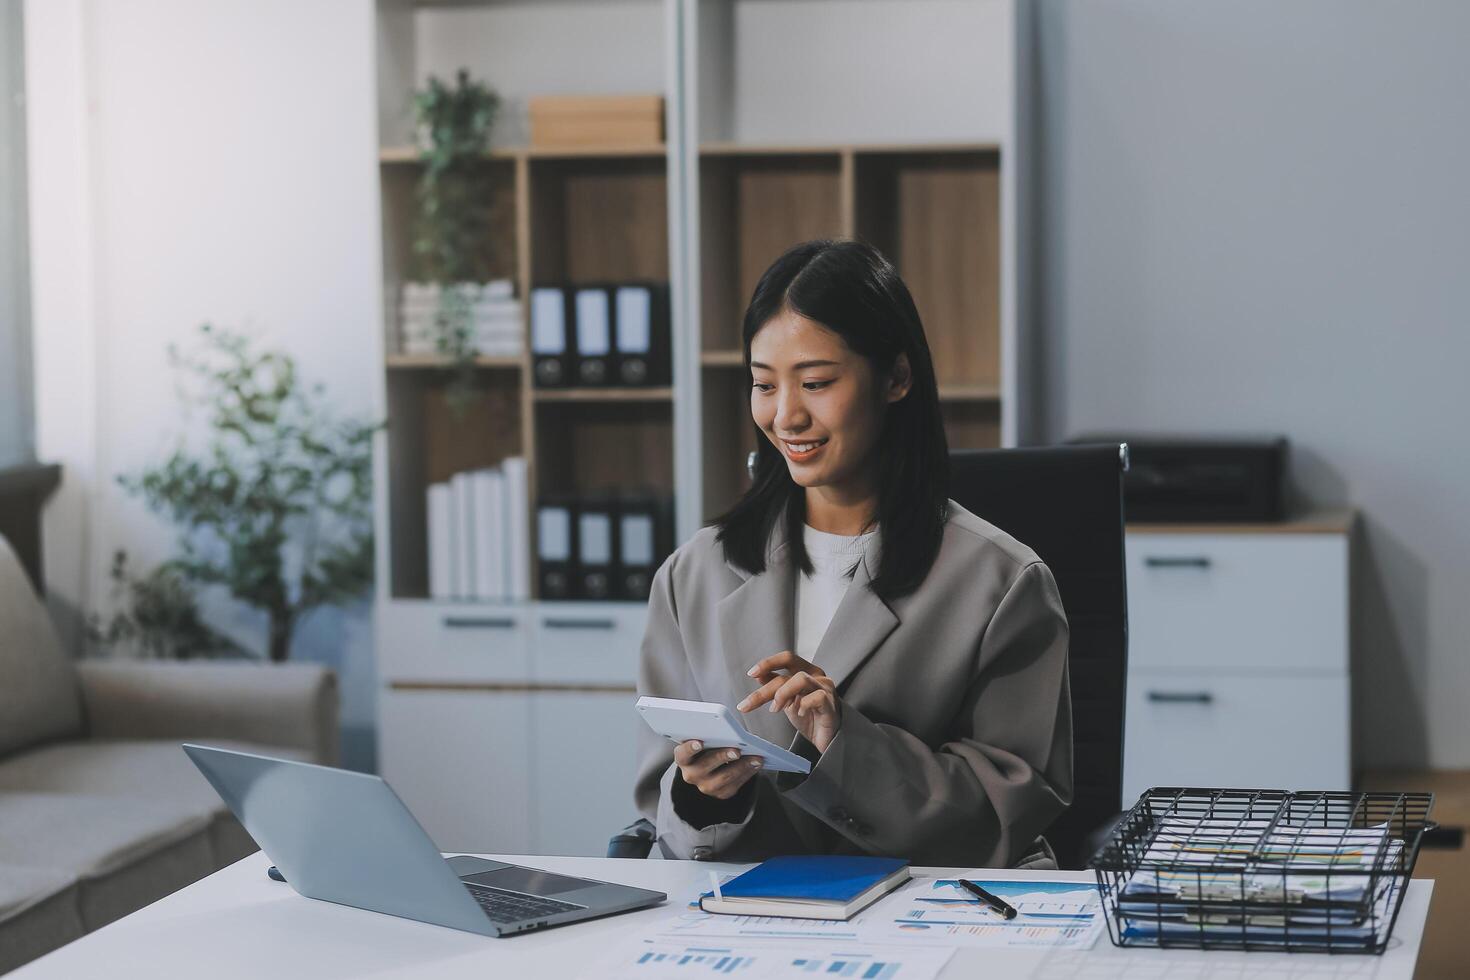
x,y
479,623
579,624
1181,697
1197,561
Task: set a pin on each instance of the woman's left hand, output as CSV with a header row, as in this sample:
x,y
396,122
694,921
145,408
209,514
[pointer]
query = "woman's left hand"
x,y
804,692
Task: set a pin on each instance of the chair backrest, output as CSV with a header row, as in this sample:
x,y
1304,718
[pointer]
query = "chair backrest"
x,y
1066,504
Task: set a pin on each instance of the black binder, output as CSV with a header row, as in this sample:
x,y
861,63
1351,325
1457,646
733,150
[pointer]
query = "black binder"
x,y
642,350
597,539
645,538
556,547
553,336
594,335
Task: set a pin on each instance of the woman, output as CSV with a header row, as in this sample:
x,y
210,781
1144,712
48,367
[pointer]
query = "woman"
x,y
914,653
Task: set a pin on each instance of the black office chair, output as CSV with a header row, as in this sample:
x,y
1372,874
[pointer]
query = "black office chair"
x,y
1066,503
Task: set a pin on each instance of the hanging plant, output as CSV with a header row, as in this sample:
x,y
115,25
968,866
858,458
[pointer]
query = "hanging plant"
x,y
455,212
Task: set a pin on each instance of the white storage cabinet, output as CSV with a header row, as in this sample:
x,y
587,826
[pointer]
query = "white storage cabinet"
x,y
1238,672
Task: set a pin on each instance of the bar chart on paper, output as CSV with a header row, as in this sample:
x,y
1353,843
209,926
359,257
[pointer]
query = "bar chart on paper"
x,y
1051,913
753,961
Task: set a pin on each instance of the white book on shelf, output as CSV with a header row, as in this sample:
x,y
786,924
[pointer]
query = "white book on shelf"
x,y
487,486
424,323
518,518
441,541
481,308
500,347
429,328
422,292
464,535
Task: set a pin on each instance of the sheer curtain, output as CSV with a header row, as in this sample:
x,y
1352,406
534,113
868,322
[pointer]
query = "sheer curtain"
x,y
17,427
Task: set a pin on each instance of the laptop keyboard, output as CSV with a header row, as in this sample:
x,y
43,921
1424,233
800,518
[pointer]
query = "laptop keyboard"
x,y
500,905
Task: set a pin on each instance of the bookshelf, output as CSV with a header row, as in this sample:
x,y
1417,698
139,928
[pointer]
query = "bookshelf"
x,y
764,149
579,215
935,210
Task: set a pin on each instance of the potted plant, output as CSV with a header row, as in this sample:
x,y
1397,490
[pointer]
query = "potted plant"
x,y
275,506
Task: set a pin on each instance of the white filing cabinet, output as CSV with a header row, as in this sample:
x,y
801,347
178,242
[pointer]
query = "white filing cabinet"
x,y
510,728
1238,655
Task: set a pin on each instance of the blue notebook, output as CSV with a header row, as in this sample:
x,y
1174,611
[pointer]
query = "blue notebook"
x,y
809,887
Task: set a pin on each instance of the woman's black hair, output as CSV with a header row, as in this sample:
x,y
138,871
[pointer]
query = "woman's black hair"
x,y
851,289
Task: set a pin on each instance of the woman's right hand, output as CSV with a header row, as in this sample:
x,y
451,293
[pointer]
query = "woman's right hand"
x,y
715,772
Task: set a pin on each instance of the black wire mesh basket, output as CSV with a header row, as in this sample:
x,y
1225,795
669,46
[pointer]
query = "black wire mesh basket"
x,y
1261,869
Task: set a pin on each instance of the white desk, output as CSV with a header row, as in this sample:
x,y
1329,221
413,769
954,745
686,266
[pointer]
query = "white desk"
x,y
239,923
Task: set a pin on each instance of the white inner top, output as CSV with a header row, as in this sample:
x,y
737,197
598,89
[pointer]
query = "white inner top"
x,y
818,594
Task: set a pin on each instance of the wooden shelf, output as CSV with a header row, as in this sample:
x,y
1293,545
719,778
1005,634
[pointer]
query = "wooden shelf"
x,y
971,424
597,219
933,208
937,216
595,445
600,214
953,392
401,155
411,154
398,154
604,394
592,150
969,393
798,149
752,207
419,362
1339,521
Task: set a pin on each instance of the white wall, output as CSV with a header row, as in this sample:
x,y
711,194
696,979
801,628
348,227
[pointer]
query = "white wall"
x,y
811,71
1255,218
194,162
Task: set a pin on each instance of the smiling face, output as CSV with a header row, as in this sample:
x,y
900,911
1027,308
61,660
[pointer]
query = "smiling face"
x,y
820,405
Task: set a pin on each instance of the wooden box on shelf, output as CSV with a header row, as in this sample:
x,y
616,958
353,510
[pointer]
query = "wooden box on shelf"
x,y
591,120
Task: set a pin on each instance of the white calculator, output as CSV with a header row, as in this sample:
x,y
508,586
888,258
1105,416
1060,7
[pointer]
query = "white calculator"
x,y
717,727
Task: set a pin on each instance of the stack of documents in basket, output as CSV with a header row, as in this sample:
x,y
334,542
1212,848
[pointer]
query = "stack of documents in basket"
x,y
489,311
1261,880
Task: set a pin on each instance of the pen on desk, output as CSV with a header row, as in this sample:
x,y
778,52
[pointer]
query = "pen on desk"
x,y
995,903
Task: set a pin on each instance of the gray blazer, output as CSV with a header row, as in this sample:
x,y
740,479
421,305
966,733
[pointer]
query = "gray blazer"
x,y
956,738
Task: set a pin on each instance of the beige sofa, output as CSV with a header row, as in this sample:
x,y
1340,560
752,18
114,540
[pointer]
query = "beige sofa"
x,y
100,811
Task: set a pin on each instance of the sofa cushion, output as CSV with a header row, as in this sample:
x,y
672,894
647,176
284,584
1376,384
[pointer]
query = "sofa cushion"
x,y
153,769
39,697
88,836
38,912
124,851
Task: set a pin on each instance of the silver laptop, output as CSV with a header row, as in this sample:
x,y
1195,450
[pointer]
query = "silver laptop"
x,y
346,837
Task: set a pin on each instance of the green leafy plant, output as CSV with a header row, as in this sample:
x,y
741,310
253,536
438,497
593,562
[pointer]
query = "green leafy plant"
x,y
276,506
157,617
456,211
